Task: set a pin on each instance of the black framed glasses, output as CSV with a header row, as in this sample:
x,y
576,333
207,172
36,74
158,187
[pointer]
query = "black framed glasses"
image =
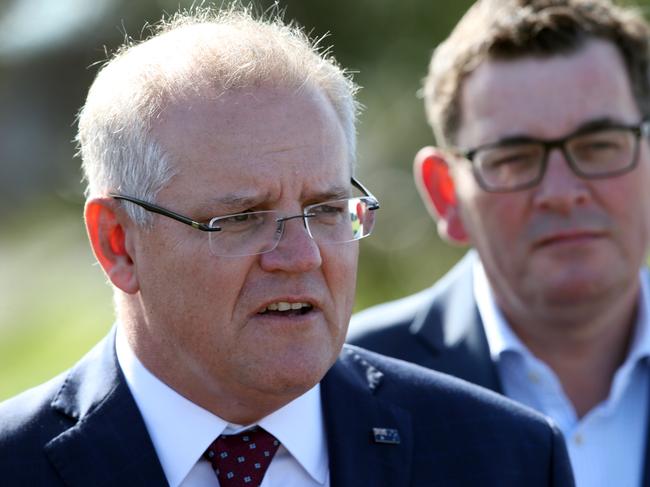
x,y
594,152
257,232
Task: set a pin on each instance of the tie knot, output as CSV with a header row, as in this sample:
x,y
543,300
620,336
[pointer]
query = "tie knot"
x,y
241,460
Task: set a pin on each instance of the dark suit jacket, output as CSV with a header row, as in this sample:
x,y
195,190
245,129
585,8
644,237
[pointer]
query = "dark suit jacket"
x,y
439,328
83,428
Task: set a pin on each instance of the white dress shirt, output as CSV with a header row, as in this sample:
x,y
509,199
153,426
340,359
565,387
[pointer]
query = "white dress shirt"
x,y
181,431
606,446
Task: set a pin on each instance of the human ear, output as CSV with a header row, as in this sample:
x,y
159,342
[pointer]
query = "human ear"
x,y
109,239
436,187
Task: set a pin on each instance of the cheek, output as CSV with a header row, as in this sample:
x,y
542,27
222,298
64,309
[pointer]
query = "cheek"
x,y
202,311
187,285
627,202
487,217
494,219
219,284
340,271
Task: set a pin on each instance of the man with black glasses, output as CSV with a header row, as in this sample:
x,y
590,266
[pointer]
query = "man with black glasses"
x,y
223,208
540,110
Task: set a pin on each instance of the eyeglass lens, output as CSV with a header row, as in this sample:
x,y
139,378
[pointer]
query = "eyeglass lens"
x,y
257,232
595,154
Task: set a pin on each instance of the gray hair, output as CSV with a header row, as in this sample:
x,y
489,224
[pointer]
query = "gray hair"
x,y
225,49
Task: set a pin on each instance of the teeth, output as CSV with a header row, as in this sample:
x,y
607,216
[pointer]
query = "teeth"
x,y
285,306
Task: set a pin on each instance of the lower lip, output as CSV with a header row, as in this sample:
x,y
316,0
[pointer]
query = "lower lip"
x,y
288,318
570,241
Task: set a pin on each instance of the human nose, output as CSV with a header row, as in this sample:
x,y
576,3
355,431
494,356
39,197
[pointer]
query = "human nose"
x,y
295,252
560,188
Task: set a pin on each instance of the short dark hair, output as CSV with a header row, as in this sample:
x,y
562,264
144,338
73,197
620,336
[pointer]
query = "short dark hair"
x,y
512,29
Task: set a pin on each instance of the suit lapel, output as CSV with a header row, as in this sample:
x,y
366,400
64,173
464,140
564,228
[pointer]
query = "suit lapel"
x,y
359,452
450,325
109,444
646,454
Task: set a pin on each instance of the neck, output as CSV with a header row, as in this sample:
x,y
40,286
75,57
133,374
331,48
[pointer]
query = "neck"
x,y
583,345
231,402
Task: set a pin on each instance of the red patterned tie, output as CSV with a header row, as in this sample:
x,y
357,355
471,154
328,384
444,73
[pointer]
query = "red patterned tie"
x,y
241,460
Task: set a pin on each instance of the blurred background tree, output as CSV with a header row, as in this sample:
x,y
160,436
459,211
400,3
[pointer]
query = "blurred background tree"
x,y
54,301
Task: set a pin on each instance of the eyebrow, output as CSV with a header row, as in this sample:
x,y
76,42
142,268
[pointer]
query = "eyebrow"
x,y
333,193
598,123
588,126
229,202
236,201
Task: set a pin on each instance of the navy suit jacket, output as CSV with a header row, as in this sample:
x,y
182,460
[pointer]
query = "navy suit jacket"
x,y
439,328
83,428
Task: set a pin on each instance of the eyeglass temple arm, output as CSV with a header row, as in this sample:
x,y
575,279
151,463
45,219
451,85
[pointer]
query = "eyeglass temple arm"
x,y
374,205
168,213
357,184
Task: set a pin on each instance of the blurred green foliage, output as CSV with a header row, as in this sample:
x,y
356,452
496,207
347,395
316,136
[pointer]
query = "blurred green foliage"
x,y
55,302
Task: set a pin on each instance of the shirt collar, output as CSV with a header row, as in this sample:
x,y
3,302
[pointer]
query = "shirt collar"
x,y
180,444
300,429
500,336
640,347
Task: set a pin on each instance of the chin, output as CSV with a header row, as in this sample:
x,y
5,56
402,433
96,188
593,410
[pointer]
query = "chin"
x,y
297,375
574,291
290,385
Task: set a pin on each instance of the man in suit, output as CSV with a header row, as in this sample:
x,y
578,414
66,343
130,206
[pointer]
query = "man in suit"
x,y
218,155
540,110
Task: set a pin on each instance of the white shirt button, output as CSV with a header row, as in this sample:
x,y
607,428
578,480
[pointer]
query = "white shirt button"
x,y
534,377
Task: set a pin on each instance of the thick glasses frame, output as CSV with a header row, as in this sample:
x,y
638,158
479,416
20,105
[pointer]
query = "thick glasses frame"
x,y
373,204
637,130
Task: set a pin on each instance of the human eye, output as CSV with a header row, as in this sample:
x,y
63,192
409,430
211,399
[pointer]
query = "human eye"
x,y
330,212
241,222
600,144
510,158
329,208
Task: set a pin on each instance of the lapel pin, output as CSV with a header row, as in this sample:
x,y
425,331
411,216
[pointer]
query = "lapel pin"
x,y
388,436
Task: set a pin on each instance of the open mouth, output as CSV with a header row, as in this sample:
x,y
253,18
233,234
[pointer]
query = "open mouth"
x,y
283,308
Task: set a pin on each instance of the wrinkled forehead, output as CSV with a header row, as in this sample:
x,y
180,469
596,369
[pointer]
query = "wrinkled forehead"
x,y
260,139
